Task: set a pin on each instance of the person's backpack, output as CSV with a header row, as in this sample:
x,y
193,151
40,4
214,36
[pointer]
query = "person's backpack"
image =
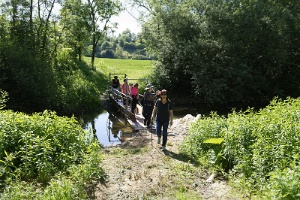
x,y
150,97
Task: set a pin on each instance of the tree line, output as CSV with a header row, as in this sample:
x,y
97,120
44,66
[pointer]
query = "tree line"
x,y
225,52
41,51
126,45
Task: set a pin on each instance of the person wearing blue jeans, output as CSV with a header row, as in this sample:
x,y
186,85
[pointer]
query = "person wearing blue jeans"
x,y
163,110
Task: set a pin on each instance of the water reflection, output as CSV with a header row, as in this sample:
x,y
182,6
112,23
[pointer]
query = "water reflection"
x,y
109,128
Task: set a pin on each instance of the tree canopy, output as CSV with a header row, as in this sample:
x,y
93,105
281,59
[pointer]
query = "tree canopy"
x,y
226,52
40,52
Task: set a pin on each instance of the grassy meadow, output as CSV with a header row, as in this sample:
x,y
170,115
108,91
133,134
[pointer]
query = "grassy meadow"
x,y
134,69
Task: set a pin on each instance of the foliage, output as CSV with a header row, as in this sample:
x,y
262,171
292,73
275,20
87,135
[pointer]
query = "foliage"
x,y
126,45
74,22
99,14
33,84
78,87
226,52
29,80
45,148
256,145
39,65
284,184
3,98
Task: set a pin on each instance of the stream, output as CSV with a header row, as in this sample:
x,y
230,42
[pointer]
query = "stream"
x,y
111,128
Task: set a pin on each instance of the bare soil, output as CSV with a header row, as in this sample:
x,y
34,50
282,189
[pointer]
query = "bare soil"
x,y
139,169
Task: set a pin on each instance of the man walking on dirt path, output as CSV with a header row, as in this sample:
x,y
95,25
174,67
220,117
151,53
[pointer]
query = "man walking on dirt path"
x,y
163,110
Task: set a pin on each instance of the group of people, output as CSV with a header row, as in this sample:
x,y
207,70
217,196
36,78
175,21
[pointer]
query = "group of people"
x,y
156,106
128,89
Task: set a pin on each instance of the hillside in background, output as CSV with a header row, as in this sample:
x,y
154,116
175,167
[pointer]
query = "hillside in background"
x,y
126,45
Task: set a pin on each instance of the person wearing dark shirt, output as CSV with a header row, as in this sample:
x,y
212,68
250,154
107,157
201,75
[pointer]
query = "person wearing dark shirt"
x,y
163,111
116,83
148,103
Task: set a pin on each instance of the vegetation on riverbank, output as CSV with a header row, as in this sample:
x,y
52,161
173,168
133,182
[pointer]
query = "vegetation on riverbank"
x,y
48,157
260,150
221,53
44,156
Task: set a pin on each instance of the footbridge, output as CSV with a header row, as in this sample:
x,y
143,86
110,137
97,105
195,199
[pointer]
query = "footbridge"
x,y
122,101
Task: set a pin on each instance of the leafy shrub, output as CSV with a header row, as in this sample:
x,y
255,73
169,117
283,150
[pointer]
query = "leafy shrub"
x,y
63,188
65,60
107,54
256,144
18,190
3,98
45,148
77,90
207,127
78,94
284,184
40,145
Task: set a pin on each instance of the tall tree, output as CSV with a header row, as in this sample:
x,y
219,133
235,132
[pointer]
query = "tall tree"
x,y
229,51
100,13
74,21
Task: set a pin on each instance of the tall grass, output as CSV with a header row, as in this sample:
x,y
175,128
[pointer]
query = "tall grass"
x,y
260,149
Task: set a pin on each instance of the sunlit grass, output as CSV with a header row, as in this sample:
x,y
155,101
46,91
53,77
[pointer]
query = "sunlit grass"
x,y
134,69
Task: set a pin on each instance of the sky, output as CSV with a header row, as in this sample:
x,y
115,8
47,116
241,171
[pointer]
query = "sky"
x,y
124,19
127,21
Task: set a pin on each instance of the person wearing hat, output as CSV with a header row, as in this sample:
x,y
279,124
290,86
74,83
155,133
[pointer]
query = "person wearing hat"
x,y
163,111
116,83
148,103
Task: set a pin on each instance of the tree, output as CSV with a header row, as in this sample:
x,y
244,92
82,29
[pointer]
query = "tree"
x,y
74,21
171,35
224,52
100,13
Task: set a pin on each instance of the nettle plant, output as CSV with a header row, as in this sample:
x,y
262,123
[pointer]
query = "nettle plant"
x,y
40,145
255,145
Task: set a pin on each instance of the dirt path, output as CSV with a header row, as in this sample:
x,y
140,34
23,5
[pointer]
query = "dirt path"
x,y
139,169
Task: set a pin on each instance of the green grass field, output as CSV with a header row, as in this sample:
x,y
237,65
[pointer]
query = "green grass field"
x,y
134,69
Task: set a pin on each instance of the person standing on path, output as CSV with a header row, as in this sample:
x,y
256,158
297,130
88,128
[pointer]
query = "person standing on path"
x,y
163,111
125,87
125,90
148,104
135,97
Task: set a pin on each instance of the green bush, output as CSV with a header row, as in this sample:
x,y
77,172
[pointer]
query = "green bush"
x,y
48,149
284,184
256,144
19,190
78,88
77,94
208,127
40,145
